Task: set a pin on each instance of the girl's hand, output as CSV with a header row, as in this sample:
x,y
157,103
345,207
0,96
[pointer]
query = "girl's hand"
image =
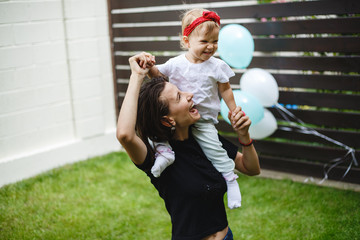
x,y
240,122
149,61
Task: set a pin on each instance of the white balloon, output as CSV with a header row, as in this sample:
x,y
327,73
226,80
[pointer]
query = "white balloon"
x,y
265,127
262,85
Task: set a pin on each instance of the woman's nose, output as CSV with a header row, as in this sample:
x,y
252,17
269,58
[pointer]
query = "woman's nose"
x,y
189,96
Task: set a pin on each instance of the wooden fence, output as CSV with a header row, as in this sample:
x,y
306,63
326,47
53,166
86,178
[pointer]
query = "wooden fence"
x,y
312,49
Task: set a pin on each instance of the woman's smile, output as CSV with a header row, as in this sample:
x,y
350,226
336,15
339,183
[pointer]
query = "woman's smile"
x,y
181,106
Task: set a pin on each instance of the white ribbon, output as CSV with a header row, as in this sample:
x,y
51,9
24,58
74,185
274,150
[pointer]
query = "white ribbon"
x,y
306,130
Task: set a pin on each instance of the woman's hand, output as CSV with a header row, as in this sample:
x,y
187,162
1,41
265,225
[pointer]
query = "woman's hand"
x,y
240,123
141,63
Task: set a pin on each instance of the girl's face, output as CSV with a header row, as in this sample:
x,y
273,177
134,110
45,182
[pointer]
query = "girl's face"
x,y
182,113
202,45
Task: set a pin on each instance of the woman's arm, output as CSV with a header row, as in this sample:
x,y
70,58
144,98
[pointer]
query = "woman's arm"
x,y
126,135
246,162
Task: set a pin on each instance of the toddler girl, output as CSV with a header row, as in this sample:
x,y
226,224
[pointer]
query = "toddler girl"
x,y
197,71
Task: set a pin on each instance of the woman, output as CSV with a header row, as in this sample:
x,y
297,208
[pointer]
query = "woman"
x,y
192,188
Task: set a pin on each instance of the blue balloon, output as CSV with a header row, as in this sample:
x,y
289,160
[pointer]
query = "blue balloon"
x,y
251,106
236,45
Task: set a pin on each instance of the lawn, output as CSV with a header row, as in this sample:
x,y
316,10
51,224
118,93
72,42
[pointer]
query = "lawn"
x,y
109,198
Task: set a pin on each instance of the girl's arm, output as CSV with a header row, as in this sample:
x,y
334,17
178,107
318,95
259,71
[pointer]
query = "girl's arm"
x,y
246,162
227,94
154,72
126,134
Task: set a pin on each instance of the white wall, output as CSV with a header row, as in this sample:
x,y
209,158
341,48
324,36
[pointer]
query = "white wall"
x,y
56,89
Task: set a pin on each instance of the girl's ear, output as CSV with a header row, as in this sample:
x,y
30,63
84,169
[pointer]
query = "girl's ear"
x,y
168,121
186,41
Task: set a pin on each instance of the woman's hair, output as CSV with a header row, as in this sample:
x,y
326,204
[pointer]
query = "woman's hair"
x,y
151,110
188,17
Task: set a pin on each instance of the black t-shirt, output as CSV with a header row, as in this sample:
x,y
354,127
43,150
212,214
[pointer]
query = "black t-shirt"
x,y
193,190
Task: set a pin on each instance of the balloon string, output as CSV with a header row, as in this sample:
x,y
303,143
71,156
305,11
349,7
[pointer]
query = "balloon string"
x,y
306,130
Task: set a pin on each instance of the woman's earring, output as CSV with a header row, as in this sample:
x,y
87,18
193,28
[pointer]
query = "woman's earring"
x,y
172,129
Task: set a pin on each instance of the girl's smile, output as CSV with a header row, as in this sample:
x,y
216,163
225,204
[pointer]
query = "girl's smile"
x,y
201,45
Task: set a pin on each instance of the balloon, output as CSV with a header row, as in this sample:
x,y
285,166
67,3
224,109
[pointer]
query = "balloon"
x,y
262,85
236,45
265,127
249,104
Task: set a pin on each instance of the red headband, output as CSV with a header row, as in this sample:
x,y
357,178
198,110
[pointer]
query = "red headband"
x,y
207,16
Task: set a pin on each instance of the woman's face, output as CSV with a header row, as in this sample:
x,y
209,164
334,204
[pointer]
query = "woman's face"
x,y
181,106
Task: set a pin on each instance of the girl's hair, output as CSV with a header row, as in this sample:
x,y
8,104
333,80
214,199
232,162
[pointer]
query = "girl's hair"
x,y
151,109
188,17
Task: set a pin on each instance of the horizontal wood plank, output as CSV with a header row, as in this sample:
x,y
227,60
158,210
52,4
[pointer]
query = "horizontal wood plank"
x,y
328,44
301,151
289,9
120,101
147,31
312,26
118,4
323,119
338,64
312,81
319,81
351,139
148,46
122,74
326,100
327,119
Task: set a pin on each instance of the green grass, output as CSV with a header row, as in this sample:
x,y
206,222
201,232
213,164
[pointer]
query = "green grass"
x,y
109,198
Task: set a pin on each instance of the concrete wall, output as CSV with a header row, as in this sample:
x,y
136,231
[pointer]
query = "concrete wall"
x,y
56,89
